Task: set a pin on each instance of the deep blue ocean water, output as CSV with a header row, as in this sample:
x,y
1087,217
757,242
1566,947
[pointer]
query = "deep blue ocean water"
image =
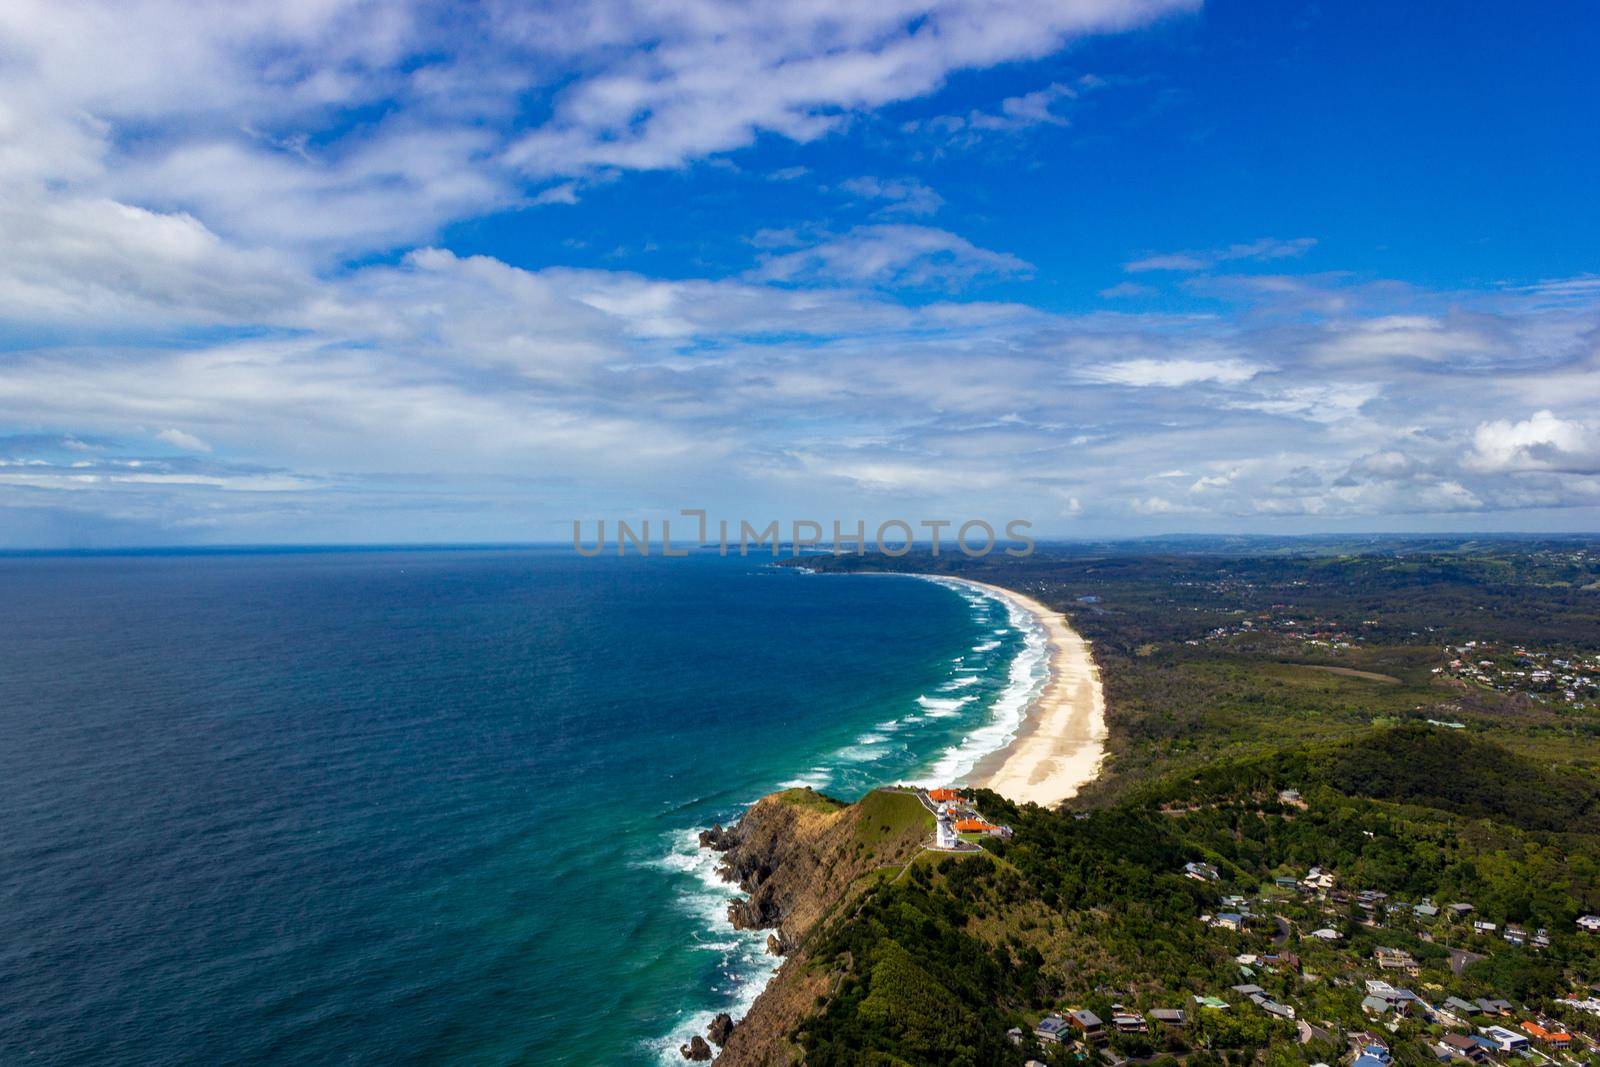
x,y
376,807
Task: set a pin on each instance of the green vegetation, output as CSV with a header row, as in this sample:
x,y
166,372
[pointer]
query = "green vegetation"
x,y
1211,720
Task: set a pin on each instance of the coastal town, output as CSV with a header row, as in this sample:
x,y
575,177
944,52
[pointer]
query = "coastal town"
x,y
1299,967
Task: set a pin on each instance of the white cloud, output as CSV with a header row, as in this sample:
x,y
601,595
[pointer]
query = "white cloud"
x,y
1173,373
1267,248
905,196
81,262
891,255
186,441
1542,442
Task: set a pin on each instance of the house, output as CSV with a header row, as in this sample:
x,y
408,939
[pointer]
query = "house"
x,y
1553,1035
1460,911
1426,911
1050,1029
1396,960
1590,923
1373,1053
944,796
1201,872
1483,927
1494,1007
1212,1003
1464,1047
1464,1008
1505,1040
1318,880
1371,1005
1286,883
1325,934
1515,935
1541,938
1248,990
1127,1022
1272,1007
1229,920
1172,1017
1087,1023
1289,796
1015,1035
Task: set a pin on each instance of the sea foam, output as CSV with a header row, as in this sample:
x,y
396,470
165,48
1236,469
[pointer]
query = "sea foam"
x,y
745,964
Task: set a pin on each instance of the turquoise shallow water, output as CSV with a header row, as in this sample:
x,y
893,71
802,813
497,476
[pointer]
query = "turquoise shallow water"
x,y
430,806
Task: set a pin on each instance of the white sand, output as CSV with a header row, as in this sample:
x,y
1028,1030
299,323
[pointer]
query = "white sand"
x,y
1061,745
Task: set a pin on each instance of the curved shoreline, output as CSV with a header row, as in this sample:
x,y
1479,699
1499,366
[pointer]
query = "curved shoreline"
x,y
1060,745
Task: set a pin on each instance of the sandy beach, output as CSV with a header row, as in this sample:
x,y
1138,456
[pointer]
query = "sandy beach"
x,y
1059,747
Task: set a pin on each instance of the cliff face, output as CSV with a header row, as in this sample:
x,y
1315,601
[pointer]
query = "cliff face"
x,y
803,858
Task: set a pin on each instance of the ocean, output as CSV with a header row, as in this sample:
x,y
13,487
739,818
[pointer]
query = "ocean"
x,y
434,806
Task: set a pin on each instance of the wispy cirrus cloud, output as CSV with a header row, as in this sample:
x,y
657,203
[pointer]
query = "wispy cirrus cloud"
x,y
894,255
1264,250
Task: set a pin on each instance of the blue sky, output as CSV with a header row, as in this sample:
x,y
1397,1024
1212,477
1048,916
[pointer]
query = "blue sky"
x,y
383,271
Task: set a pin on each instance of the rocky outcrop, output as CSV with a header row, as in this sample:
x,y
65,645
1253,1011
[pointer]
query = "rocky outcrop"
x,y
721,1027
696,1049
801,857
718,838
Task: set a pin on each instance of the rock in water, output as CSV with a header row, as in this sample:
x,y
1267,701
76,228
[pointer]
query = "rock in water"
x,y
776,945
720,1028
696,1049
718,839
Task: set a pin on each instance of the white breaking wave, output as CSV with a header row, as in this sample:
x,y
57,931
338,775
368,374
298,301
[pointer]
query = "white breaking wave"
x,y
1025,680
744,957
943,707
744,960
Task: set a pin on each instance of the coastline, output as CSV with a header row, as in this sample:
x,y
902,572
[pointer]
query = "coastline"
x,y
1060,744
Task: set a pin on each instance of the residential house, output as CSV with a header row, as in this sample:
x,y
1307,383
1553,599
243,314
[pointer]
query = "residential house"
x,y
1325,934
1127,1022
1212,1003
1050,1029
1201,872
1494,1007
1590,923
1483,926
1087,1023
1394,959
1553,1035
1461,911
1173,1017
1505,1040
1464,1047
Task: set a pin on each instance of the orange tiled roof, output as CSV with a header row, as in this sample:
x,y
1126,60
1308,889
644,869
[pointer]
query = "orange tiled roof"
x,y
943,794
972,825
